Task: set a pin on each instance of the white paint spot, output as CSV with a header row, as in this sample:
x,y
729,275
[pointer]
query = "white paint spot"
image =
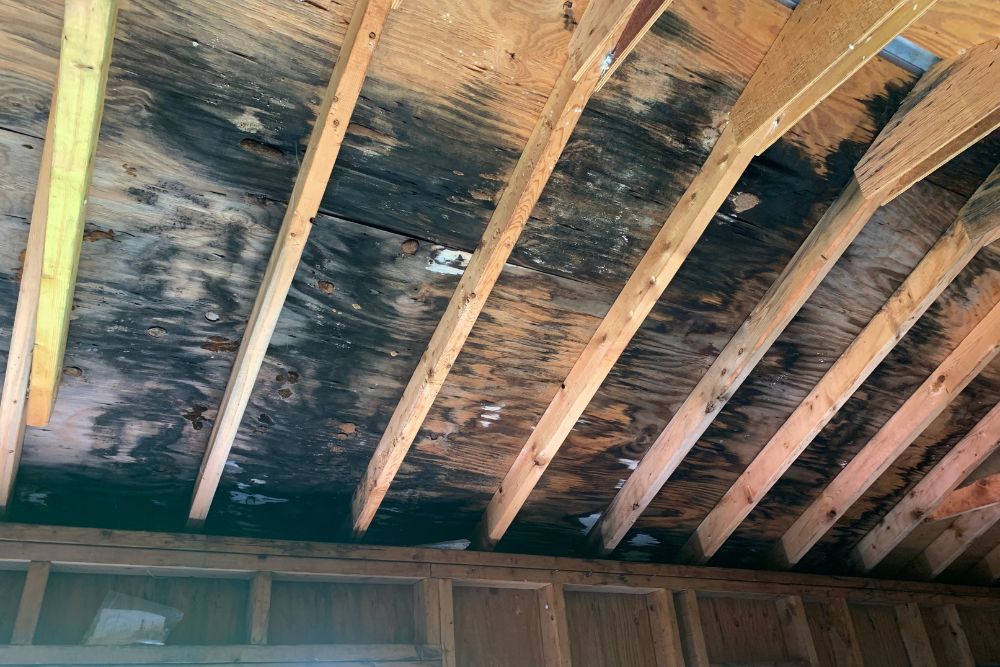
x,y
629,463
643,540
232,466
248,122
254,480
241,498
38,498
588,521
485,424
619,484
449,262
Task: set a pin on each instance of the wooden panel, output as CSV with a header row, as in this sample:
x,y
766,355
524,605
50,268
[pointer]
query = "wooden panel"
x,y
982,628
259,608
878,636
952,26
317,613
914,633
833,633
609,630
30,605
743,630
11,584
72,600
497,627
947,636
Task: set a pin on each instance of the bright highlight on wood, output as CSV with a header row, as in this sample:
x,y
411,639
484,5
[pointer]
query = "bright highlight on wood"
x,y
84,58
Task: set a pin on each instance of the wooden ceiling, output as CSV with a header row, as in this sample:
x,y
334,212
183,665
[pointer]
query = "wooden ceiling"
x,y
601,243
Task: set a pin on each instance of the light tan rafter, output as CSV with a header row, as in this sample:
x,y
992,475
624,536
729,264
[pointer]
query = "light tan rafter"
x,y
952,543
981,493
922,407
977,225
930,492
794,76
599,30
363,34
915,132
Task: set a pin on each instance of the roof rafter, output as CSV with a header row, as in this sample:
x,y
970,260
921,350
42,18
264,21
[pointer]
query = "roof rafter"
x,y
981,493
794,76
920,135
952,543
977,225
958,369
363,34
597,33
930,492
84,57
13,404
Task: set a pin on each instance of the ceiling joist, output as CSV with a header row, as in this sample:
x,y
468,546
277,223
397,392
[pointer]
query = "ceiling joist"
x,y
977,225
363,34
545,145
922,407
915,133
793,77
84,56
930,492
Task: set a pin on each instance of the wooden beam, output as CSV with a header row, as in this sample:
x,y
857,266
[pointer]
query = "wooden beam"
x,y
13,400
555,629
192,555
952,543
929,400
546,143
913,131
946,625
667,648
844,645
259,608
363,33
977,225
369,655
435,616
590,47
981,493
795,624
987,570
926,122
84,56
30,607
645,15
821,45
794,76
689,626
914,634
929,493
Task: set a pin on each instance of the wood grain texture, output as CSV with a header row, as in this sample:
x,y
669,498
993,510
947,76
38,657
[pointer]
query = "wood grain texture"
x,y
952,26
951,543
951,646
931,492
981,493
348,77
30,606
602,25
914,632
919,410
833,633
84,57
955,97
554,626
259,608
667,647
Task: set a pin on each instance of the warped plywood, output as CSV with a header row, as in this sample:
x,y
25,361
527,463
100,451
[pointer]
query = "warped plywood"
x,y
364,32
796,79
